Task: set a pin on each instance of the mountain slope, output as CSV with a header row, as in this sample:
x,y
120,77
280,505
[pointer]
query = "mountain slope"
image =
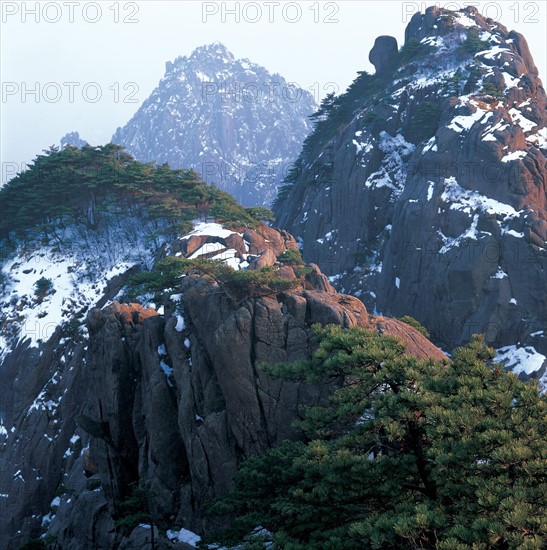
x,y
423,189
99,393
231,120
171,397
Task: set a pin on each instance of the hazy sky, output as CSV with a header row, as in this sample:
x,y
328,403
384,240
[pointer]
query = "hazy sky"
x,y
92,64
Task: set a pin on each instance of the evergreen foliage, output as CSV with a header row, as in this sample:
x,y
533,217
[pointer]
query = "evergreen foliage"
x,y
34,544
475,74
453,85
238,285
370,117
333,114
472,43
492,90
282,193
409,454
86,185
291,257
42,286
41,543
413,49
260,213
292,177
133,509
425,121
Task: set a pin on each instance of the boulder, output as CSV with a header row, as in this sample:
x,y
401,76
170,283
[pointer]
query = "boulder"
x,y
416,343
317,281
266,259
384,55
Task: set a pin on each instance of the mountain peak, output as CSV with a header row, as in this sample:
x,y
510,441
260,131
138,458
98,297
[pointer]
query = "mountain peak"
x,y
438,21
72,139
438,24
206,54
215,49
229,119
415,208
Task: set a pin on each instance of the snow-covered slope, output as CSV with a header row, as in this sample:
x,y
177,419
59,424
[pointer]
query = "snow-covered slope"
x,y
230,119
75,269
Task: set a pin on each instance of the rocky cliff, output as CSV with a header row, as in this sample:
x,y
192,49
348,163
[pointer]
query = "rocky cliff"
x,y
423,189
236,124
170,397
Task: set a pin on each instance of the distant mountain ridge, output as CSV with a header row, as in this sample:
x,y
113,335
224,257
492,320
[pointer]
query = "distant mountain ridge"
x,y
236,124
72,139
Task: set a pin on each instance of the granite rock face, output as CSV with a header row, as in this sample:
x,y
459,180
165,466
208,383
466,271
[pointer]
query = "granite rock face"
x,y
179,409
174,401
429,198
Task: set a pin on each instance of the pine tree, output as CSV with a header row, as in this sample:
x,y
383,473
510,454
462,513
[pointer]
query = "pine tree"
x,y
89,184
410,454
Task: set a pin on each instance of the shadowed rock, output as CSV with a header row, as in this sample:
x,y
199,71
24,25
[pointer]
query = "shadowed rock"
x,y
384,55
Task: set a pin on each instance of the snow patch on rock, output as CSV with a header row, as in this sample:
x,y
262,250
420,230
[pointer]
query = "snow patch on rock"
x,y
76,270
184,535
518,118
470,201
392,172
520,359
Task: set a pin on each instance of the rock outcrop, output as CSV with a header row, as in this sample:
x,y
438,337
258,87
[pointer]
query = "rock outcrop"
x,y
429,198
172,400
179,409
384,55
72,139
